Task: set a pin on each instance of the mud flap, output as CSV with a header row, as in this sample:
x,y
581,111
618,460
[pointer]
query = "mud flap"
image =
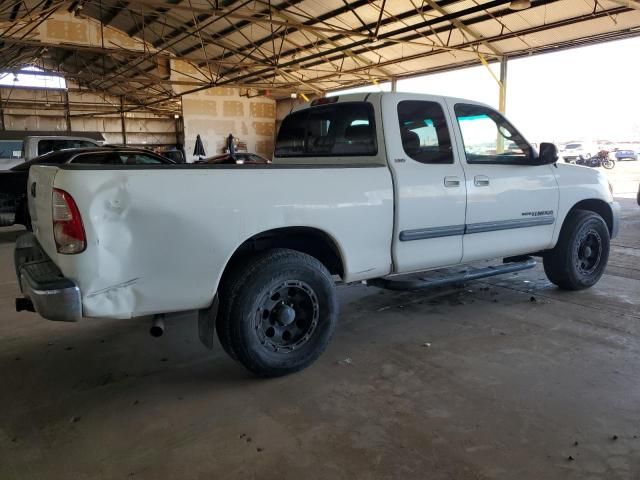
x,y
207,323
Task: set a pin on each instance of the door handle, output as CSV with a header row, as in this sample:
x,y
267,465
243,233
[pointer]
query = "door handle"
x,y
33,189
451,182
481,181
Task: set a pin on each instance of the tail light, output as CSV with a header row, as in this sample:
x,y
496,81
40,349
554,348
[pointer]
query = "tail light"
x,y
68,230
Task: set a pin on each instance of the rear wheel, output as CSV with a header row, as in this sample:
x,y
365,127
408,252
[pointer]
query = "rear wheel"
x,y
608,163
278,312
581,254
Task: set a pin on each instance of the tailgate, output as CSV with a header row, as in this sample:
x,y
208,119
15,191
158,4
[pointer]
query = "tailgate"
x,y
40,193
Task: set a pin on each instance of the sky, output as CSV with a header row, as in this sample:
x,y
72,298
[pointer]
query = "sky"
x,y
588,93
26,80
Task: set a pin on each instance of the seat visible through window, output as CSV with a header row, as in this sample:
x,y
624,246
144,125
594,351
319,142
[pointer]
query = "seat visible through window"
x,y
424,132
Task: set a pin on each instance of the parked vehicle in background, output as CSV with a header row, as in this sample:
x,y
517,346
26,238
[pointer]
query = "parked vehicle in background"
x,y
574,151
35,145
175,155
365,187
625,155
238,158
10,152
600,159
13,182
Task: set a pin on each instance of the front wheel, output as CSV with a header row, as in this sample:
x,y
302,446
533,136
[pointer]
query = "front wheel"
x,y
608,163
579,258
279,312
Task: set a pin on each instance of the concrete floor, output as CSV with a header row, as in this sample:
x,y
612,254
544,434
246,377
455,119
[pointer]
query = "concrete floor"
x,y
507,378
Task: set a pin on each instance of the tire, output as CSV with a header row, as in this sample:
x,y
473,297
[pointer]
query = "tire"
x,y
278,312
608,164
581,254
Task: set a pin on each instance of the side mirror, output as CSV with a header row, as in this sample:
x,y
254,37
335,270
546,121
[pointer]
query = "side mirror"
x,y
548,154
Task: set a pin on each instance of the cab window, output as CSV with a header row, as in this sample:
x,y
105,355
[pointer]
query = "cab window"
x,y
424,132
489,138
345,129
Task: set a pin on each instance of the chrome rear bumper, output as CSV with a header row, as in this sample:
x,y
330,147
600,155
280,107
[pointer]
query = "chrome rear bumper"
x,y
53,296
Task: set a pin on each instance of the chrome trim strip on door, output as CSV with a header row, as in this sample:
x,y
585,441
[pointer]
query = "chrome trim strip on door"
x,y
435,232
508,224
452,230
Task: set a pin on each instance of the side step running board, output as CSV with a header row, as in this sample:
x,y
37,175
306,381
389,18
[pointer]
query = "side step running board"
x,y
441,278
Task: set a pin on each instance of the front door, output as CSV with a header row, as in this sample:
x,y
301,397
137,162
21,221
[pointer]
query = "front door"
x,y
430,194
512,201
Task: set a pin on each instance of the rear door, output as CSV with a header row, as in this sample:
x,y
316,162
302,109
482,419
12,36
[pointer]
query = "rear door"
x,y
511,201
39,193
430,195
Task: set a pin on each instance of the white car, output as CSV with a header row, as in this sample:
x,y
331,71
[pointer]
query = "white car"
x,y
34,146
574,151
362,187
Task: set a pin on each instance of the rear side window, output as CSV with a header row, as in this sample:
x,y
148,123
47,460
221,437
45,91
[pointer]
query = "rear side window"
x,y
99,158
117,158
53,145
134,158
424,132
292,135
346,129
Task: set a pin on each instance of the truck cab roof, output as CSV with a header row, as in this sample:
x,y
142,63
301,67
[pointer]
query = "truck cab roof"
x,y
374,97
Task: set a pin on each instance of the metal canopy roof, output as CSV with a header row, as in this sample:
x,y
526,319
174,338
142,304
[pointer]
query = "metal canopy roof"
x,y
300,45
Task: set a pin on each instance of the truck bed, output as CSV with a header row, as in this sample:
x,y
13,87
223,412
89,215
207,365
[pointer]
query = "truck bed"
x,y
159,237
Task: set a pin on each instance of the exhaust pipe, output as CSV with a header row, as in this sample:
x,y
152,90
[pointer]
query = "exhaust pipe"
x,y
157,325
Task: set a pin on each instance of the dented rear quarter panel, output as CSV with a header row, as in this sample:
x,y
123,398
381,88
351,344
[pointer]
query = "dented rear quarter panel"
x,y
158,240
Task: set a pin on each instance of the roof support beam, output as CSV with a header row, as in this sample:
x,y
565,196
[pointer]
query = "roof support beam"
x,y
255,16
362,46
356,58
548,26
628,3
462,27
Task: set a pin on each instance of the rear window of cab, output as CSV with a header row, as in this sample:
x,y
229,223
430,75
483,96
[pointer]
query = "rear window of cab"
x,y
343,129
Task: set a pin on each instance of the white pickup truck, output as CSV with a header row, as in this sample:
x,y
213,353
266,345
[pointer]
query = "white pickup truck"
x,y
33,146
371,187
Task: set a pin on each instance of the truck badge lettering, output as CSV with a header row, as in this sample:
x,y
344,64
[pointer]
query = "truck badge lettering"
x,y
539,213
